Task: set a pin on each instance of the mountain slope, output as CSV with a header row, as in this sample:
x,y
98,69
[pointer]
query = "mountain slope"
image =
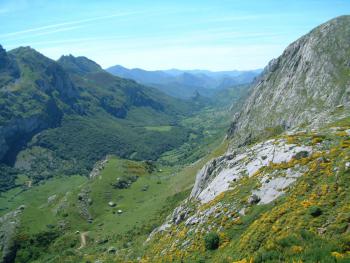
x,y
61,117
56,208
185,83
283,198
302,86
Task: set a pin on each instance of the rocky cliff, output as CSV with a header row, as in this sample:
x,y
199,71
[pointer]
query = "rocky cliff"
x,y
35,99
302,86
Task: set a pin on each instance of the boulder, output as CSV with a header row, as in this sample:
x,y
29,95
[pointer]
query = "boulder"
x,y
347,165
51,198
112,250
254,199
111,204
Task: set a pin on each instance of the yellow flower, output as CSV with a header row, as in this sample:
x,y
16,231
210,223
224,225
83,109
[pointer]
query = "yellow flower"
x,y
296,249
337,255
244,261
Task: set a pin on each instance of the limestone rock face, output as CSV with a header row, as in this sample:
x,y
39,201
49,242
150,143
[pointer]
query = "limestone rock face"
x,y
9,223
304,85
222,173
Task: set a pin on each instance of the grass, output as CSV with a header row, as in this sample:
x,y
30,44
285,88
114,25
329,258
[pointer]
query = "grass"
x,y
35,217
208,127
106,113
185,144
142,210
164,128
310,223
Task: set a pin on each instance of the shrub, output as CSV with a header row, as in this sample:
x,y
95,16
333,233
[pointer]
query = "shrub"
x,y
211,241
301,154
315,211
125,182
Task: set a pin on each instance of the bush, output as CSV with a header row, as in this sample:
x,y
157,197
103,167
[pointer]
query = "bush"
x,y
301,155
7,177
125,182
211,241
315,211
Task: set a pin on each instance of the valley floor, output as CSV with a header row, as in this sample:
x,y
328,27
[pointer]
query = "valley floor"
x,y
79,219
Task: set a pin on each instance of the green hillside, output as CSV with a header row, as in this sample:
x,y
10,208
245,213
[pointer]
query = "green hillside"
x,y
76,206
59,118
60,121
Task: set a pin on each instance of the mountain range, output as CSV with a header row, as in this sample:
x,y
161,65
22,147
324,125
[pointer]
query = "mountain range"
x,y
100,168
70,113
186,83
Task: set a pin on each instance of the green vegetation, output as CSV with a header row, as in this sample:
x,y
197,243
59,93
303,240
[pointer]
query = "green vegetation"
x,y
62,205
315,211
142,210
158,128
309,223
61,117
7,177
211,241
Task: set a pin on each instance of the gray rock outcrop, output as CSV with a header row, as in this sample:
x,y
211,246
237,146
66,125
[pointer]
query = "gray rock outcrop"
x,y
304,85
9,224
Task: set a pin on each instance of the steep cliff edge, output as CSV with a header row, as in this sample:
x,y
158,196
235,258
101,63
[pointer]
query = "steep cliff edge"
x,y
302,86
35,98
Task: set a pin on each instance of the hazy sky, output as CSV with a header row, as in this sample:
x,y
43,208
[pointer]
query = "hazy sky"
x,y
215,35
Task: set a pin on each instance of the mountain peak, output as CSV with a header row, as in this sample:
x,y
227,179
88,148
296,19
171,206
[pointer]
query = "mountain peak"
x,y
79,65
27,54
25,51
8,68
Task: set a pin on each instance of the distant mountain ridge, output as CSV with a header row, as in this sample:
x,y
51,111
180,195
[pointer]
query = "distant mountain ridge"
x,y
185,83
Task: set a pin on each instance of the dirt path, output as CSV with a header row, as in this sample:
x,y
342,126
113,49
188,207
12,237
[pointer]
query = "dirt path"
x,y
29,183
83,238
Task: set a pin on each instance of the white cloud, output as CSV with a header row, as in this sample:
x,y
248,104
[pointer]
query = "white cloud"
x,y
64,25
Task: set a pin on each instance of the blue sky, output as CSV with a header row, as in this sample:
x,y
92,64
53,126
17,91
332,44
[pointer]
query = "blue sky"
x,y
214,35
